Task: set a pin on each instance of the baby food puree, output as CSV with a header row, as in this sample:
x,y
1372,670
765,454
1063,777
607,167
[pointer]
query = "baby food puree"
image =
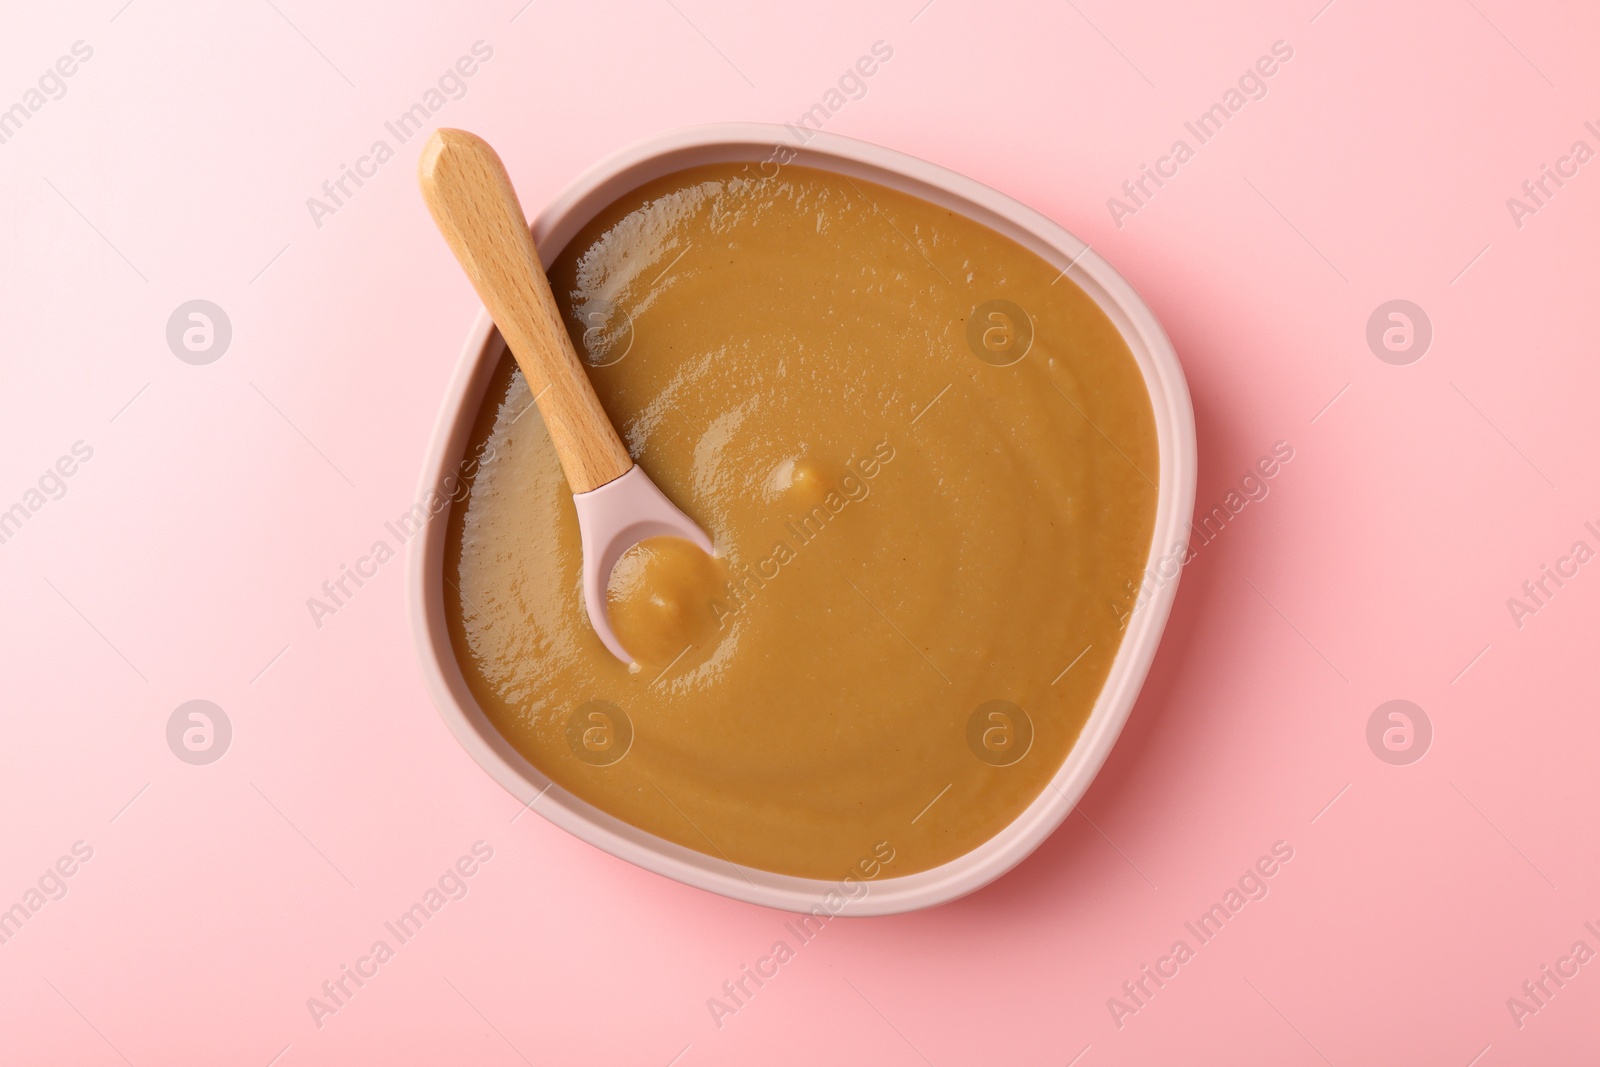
x,y
928,460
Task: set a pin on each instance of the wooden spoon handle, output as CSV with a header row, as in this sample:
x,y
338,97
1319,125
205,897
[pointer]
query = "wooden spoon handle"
x,y
475,207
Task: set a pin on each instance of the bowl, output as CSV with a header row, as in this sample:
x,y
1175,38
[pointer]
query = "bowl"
x,y
773,147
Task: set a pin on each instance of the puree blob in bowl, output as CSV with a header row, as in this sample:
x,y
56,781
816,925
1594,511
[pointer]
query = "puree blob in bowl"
x,y
929,461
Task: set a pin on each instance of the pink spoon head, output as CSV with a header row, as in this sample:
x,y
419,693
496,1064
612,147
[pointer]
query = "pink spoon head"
x,y
611,520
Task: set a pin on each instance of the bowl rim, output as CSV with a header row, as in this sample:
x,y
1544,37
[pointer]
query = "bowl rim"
x,y
777,146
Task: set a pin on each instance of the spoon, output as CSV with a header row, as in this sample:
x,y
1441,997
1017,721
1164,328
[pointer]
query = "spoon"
x,y
472,201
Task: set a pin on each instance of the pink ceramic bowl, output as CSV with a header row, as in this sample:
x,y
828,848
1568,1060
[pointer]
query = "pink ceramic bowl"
x,y
1174,419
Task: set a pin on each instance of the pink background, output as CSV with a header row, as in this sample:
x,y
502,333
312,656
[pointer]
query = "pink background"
x,y
178,563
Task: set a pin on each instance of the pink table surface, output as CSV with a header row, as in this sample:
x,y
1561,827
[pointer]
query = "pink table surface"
x,y
176,164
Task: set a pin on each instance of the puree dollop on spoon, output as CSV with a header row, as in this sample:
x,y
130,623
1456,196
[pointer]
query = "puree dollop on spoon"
x,y
471,198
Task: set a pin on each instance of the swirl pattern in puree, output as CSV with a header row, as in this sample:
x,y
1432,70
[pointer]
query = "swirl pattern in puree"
x,y
928,460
